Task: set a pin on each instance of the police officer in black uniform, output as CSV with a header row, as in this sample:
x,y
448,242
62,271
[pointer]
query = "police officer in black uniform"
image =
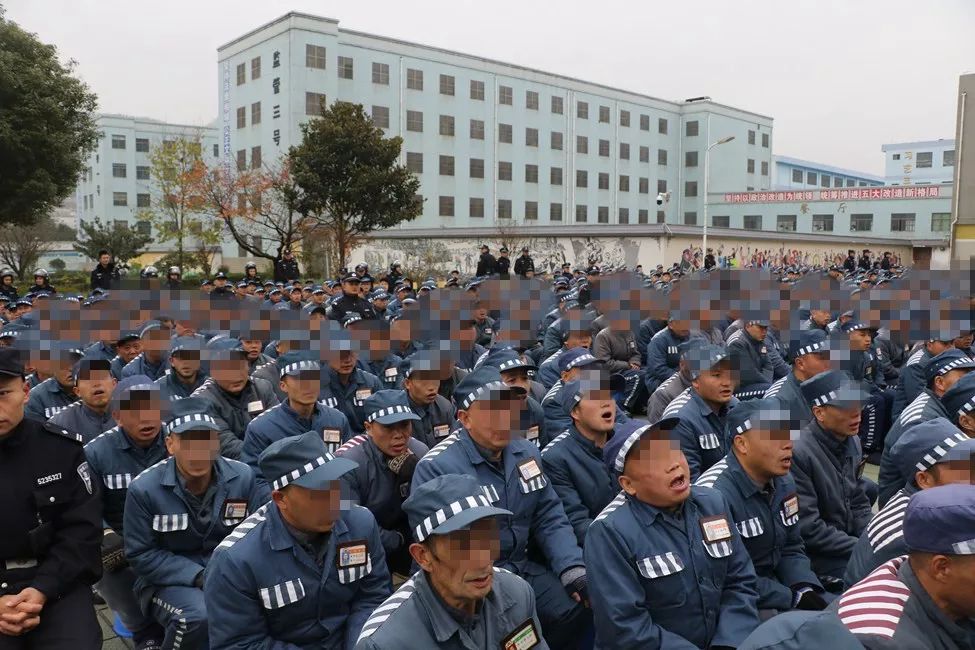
x,y
50,549
286,267
524,264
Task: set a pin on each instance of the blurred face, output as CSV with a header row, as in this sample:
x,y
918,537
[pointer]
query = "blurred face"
x,y
95,389
62,372
819,316
344,364
13,397
104,259
185,364
860,340
461,564
422,387
391,439
194,452
517,378
140,420
954,471
841,421
765,453
947,380
490,421
39,280
656,473
813,364
302,389
937,347
184,328
578,340
252,347
480,314
350,287
129,350
230,374
311,511
155,342
715,385
963,342
757,332
595,415
681,328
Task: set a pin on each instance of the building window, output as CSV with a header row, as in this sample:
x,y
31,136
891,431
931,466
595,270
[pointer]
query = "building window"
x,y
345,67
314,103
446,206
582,112
505,95
477,129
143,227
765,140
644,185
785,222
241,73
557,140
118,142
255,68
446,165
690,189
119,170
504,208
624,216
447,125
662,157
850,182
750,166
691,128
822,223
603,181
924,159
661,216
690,159
604,148
414,162
555,212
902,222
531,210
531,137
624,118
940,221
604,114
380,73
644,122
380,116
751,137
753,222
241,117
948,158
602,214
241,159
414,79
315,57
824,180
624,151
690,218
504,133
447,84
476,168
558,108
624,183
643,216
531,100
582,178
555,176
142,200
811,178
837,181
661,186
896,156
255,113
255,157
862,184
721,221
764,168
582,213
414,121
582,144
142,145
120,199
644,154
504,171
476,208
141,172
477,90
531,173
861,222
797,176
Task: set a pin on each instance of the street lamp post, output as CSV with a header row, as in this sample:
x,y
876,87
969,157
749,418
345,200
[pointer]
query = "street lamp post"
x,y
707,167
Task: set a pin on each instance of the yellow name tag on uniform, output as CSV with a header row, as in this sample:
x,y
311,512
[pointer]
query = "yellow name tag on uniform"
x,y
529,469
715,529
352,554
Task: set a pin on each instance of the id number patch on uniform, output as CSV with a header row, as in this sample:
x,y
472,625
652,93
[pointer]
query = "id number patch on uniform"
x,y
362,394
529,469
234,509
333,436
532,433
715,529
523,638
352,554
254,407
791,506
441,430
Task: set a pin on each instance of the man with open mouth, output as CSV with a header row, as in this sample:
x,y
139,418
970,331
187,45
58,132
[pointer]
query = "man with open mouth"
x,y
89,416
667,564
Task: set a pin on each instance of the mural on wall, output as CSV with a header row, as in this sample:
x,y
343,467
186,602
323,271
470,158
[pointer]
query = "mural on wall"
x,y
744,255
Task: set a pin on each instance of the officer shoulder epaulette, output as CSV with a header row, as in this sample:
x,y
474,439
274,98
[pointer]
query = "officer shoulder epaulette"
x,y
874,605
553,391
710,477
441,446
64,433
912,413
915,357
677,403
558,438
382,613
776,386
161,463
611,507
888,524
352,443
243,528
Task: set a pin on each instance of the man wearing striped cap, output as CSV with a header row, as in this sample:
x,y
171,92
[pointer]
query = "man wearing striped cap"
x,y
306,569
925,599
458,599
176,513
932,453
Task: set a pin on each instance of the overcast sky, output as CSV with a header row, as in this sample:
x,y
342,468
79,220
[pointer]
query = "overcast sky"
x,y
840,77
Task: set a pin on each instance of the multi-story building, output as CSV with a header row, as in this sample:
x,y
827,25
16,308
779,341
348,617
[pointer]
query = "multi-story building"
x,y
919,163
796,174
116,183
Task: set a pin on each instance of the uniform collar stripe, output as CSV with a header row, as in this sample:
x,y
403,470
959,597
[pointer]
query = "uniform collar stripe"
x,y
296,474
389,410
427,527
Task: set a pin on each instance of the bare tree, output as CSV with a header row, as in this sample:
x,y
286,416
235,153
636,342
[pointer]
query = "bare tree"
x,y
22,246
511,234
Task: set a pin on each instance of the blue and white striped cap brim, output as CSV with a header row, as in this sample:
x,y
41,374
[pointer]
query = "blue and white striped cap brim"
x,y
936,453
581,360
194,422
964,548
392,414
301,366
624,449
457,515
821,346
512,364
316,474
487,390
963,362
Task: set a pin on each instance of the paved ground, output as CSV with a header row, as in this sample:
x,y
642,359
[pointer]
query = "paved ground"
x,y
111,640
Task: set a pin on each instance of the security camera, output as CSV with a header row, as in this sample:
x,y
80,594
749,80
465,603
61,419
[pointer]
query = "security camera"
x,y
660,199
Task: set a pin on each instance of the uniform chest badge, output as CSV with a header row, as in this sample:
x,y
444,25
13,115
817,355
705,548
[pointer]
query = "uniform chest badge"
x,y
764,350
524,637
362,394
332,436
85,476
234,509
790,507
255,406
441,430
532,433
529,469
390,373
351,554
488,330
715,529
